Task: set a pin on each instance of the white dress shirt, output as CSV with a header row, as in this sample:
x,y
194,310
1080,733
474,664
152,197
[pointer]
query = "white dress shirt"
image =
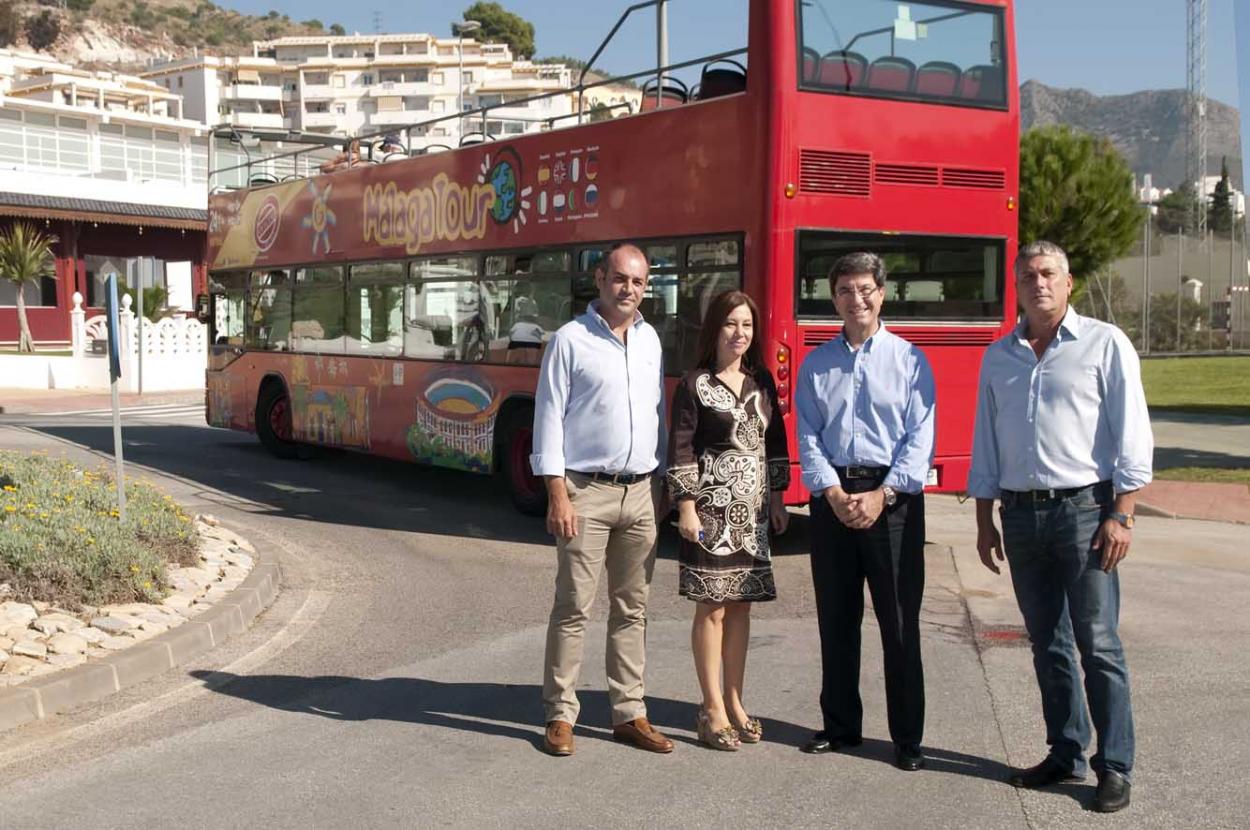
x,y
1075,417
599,406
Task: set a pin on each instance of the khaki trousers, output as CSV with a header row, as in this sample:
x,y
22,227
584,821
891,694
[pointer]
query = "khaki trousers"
x,y
615,528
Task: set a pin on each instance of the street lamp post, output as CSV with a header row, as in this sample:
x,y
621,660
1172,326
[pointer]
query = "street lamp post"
x,y
460,28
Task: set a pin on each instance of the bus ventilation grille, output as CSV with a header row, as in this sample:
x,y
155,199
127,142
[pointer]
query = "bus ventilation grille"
x,y
921,337
906,174
840,174
980,179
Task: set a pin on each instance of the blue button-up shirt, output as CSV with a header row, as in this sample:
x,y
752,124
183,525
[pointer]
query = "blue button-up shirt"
x,y
872,406
1075,417
599,407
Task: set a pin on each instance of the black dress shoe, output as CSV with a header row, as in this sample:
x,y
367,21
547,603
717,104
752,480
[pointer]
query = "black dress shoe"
x,y
908,757
1113,792
821,742
1046,773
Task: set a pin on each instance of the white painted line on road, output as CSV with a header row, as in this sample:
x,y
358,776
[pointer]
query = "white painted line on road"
x,y
305,617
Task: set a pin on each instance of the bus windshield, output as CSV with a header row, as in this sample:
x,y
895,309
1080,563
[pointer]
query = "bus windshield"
x,y
950,53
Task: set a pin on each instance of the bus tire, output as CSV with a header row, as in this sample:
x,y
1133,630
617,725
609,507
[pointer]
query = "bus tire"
x,y
273,420
516,441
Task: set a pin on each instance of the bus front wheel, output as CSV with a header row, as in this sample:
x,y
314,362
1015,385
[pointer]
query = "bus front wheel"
x,y
528,491
273,421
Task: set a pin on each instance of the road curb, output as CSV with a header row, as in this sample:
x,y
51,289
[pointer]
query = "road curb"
x,y
62,691
1145,509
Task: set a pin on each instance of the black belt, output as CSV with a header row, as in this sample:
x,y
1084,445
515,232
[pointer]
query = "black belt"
x,y
623,479
855,472
1013,497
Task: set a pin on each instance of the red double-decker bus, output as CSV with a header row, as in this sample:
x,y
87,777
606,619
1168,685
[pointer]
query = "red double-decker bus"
x,y
401,308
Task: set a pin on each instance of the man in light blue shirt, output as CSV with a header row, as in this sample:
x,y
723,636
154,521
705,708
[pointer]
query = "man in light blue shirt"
x,y
1063,441
865,406
598,433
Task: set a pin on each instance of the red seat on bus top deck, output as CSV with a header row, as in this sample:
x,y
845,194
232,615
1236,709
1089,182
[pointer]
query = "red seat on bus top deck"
x,y
891,74
842,70
938,78
982,83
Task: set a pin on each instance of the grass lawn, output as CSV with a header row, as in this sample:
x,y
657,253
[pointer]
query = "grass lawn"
x,y
1219,475
1213,385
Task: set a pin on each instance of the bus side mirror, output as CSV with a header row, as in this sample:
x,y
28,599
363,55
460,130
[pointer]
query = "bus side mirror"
x,y
203,311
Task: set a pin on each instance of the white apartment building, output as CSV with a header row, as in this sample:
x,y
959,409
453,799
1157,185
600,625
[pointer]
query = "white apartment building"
x,y
364,84
72,133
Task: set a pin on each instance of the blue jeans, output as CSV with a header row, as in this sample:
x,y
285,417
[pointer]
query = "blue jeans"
x,y
1067,600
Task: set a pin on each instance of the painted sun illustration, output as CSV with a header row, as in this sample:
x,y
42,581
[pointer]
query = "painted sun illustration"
x,y
511,201
320,218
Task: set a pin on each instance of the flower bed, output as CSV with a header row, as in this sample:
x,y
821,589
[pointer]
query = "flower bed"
x,y
62,541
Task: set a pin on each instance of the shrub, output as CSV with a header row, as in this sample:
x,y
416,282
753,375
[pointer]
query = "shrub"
x,y
42,30
79,5
62,540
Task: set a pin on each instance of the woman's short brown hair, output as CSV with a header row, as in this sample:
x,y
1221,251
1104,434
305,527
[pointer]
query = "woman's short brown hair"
x,y
718,312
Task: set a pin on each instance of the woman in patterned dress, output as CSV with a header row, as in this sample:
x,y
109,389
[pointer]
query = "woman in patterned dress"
x,y
727,470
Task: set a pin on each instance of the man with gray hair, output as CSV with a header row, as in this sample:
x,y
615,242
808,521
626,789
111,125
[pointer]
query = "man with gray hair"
x,y
1063,441
865,406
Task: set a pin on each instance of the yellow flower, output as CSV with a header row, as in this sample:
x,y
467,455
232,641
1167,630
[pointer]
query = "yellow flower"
x,y
9,488
134,569
147,585
8,508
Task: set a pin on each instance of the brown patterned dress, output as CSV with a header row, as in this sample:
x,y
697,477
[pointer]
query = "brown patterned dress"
x,y
727,452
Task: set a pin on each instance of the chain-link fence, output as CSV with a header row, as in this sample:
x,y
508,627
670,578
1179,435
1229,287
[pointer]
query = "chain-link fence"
x,y
1191,294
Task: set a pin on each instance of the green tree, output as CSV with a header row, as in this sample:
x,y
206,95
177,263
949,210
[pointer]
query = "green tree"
x,y
1220,210
25,258
42,30
10,23
315,24
79,5
1194,334
574,64
502,26
337,29
1077,191
1178,210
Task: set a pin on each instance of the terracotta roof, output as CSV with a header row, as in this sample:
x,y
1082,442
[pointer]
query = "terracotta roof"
x,y
97,210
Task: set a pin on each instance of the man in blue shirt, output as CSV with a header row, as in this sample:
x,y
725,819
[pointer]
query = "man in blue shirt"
x,y
598,432
1063,441
865,405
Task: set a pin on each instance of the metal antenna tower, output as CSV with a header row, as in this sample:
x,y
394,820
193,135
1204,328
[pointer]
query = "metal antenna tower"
x,y
1196,104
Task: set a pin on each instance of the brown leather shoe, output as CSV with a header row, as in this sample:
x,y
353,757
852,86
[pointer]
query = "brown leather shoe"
x,y
640,733
559,738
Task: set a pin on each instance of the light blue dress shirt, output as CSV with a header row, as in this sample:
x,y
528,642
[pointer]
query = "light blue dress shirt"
x,y
599,407
1075,417
872,406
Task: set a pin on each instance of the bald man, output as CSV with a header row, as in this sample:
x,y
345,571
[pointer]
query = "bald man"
x,y
598,424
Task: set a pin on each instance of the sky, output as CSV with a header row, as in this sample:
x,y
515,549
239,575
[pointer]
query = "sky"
x,y
1105,46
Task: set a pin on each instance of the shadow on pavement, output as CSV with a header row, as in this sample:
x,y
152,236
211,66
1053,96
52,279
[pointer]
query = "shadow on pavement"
x,y
507,710
341,487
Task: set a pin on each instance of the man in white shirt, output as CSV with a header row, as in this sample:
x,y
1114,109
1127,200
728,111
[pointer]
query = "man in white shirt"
x,y
1063,441
598,432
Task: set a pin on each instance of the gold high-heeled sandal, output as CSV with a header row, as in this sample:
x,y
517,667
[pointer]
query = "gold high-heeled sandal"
x,y
725,739
751,732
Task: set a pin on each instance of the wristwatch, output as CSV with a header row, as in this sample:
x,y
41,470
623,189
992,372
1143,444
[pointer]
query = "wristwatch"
x,y
891,497
1125,519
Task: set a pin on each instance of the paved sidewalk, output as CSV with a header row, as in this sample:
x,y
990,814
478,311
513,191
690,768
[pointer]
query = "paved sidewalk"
x,y
1196,500
28,401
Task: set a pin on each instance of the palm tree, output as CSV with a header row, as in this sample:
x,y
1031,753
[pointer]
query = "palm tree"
x,y
25,257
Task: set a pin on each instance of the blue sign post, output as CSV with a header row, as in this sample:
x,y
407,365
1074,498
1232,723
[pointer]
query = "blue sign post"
x,y
115,372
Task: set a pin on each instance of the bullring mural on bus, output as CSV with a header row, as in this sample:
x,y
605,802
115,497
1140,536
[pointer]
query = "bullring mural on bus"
x,y
404,208
455,421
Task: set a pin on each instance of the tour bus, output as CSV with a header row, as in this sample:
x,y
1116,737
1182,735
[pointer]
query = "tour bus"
x,y
400,307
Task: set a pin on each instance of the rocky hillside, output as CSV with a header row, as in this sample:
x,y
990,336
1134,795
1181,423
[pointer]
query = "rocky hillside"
x,y
1147,127
124,35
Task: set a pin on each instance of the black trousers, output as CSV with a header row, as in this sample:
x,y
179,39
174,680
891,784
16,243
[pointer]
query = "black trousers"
x,y
890,555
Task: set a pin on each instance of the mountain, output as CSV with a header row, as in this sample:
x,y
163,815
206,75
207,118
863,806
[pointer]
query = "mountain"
x,y
1147,127
125,35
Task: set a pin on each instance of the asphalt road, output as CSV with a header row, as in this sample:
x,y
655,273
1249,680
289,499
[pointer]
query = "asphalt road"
x,y
394,682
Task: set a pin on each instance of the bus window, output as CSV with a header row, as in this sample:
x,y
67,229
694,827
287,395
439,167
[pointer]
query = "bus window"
x,y
935,51
926,277
711,254
375,308
533,311
228,292
317,321
269,320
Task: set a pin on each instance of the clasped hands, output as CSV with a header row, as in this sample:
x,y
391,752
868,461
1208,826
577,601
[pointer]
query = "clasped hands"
x,y
856,510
